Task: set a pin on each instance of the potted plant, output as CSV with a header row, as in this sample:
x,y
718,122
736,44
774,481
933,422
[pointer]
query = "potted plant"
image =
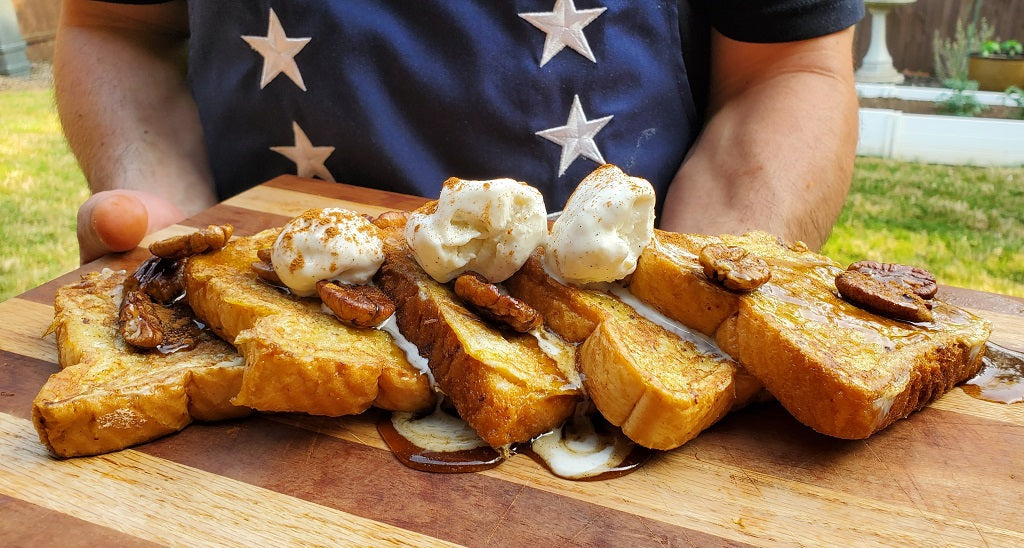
x,y
998,65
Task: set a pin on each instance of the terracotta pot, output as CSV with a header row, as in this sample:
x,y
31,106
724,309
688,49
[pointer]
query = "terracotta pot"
x,y
997,72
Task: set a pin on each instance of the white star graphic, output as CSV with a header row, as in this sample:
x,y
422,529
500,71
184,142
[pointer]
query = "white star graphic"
x,y
564,27
278,53
576,136
309,160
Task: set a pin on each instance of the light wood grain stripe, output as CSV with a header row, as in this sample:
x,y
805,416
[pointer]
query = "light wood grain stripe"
x,y
958,401
164,502
25,336
364,195
290,203
1007,329
774,509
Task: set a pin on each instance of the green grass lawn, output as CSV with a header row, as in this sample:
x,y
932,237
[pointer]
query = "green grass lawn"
x,y
40,190
964,224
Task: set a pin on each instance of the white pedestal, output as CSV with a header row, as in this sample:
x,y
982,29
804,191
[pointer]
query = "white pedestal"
x,y
877,67
12,48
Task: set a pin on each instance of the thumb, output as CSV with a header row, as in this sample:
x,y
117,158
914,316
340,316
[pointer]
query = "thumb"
x,y
117,220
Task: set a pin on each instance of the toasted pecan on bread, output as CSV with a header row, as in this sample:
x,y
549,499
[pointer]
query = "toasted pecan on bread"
x,y
506,385
110,395
661,389
837,368
297,357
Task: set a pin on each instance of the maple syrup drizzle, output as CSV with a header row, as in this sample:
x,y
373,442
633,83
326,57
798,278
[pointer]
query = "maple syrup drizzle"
x,y
585,448
461,461
588,448
1001,378
633,461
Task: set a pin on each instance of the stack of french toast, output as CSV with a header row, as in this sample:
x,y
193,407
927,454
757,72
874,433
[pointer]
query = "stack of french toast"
x,y
479,301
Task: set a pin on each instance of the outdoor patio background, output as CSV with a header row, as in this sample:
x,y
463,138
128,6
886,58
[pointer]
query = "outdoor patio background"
x,y
909,28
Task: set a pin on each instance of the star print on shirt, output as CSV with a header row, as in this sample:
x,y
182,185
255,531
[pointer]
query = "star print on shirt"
x,y
278,52
576,136
564,27
309,160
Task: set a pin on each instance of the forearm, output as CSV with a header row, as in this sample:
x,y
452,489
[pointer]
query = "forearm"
x,y
124,104
777,153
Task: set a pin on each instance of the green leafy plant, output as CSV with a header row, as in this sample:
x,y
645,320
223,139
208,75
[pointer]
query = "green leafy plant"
x,y
961,102
1009,48
1017,96
951,63
950,54
990,48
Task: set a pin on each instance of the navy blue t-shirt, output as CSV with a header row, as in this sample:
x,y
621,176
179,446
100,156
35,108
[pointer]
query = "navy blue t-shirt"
x,y
402,95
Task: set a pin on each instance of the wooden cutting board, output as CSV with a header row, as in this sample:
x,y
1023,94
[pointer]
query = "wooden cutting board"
x,y
951,474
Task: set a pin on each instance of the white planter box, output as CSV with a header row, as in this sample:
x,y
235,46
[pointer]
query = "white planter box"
x,y
951,140
931,95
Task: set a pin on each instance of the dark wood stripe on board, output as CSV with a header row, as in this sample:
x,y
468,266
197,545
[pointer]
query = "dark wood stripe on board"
x,y
245,221
21,378
26,524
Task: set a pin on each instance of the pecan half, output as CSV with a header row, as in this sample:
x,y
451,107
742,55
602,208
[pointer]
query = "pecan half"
x,y
264,267
391,219
162,279
139,321
211,238
921,282
487,300
142,321
734,267
356,305
883,295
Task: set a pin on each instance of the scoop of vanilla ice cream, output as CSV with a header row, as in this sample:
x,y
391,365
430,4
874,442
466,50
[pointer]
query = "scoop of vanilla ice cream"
x,y
489,227
606,224
326,244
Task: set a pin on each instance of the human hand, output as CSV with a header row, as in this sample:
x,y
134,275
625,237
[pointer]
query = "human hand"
x,y
117,220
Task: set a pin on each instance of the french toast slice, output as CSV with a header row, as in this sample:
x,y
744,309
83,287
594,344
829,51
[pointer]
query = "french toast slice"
x,y
659,388
509,387
297,358
837,368
110,395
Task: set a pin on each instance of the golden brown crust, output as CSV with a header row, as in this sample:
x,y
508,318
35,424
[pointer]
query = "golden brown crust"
x,y
570,313
298,358
658,388
661,393
108,395
670,278
501,382
839,369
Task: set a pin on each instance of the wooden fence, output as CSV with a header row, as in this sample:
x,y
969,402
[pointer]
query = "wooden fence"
x,y
38,22
911,28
